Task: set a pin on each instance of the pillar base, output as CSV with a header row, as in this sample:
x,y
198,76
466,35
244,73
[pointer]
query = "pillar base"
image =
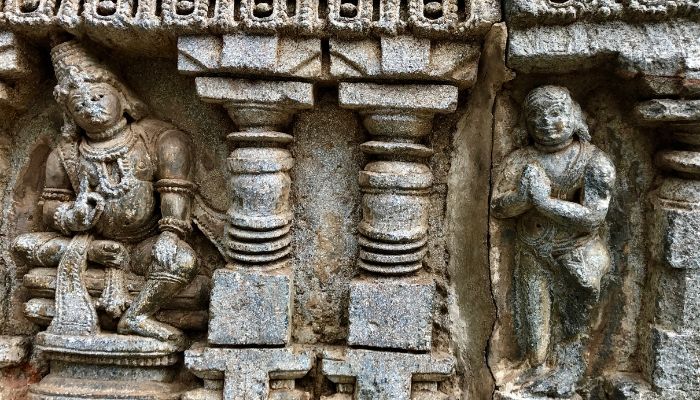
x,y
247,373
107,366
251,307
382,375
392,313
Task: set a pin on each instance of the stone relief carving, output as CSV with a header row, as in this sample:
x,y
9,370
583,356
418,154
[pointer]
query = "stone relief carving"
x,y
100,201
117,195
559,190
330,136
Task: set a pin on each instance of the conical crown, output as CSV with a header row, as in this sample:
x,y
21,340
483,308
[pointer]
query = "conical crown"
x,y
75,66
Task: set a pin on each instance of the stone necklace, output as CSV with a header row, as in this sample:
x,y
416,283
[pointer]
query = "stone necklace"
x,y
100,157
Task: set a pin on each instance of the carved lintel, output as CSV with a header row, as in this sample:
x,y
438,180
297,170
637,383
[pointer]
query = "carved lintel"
x,y
261,55
580,45
385,375
405,58
248,373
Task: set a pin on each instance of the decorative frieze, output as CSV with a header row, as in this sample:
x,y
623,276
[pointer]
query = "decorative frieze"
x,y
523,13
573,47
155,20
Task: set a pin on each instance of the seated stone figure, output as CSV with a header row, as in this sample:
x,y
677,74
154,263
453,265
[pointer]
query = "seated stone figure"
x,y
559,190
118,193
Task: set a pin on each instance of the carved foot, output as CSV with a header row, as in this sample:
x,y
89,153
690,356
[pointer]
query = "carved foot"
x,y
149,327
115,298
559,383
531,374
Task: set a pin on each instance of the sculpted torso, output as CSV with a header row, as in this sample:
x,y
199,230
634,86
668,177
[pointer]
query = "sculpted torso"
x,y
558,189
118,194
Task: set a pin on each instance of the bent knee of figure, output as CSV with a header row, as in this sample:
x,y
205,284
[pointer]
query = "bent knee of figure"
x,y
40,248
184,266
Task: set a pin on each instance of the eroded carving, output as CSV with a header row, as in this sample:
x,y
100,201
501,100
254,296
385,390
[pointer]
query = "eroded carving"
x,y
559,190
100,200
117,196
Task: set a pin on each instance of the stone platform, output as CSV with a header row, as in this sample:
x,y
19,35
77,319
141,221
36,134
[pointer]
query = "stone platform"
x,y
107,366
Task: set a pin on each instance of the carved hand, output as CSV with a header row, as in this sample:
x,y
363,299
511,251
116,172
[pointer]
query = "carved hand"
x,y
85,210
108,253
165,249
538,184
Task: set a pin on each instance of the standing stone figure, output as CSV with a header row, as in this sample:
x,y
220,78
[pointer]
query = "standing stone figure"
x,y
559,191
117,193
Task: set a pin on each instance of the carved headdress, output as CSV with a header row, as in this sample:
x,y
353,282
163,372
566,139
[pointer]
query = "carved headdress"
x,y
75,66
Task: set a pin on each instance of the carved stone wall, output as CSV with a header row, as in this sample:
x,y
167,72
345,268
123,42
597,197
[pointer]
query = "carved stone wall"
x,y
351,199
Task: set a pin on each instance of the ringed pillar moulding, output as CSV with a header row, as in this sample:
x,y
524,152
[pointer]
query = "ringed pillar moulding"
x,y
672,365
392,302
251,299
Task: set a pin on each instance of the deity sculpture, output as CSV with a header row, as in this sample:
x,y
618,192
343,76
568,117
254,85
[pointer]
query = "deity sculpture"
x,y
559,191
118,193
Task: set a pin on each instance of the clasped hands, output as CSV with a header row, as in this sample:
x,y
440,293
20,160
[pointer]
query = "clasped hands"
x,y
534,187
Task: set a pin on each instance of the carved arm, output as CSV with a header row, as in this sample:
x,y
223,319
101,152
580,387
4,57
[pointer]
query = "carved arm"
x,y
175,182
595,199
57,191
508,200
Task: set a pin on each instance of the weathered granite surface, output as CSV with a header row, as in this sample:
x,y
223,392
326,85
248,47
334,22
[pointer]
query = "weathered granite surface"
x,y
350,199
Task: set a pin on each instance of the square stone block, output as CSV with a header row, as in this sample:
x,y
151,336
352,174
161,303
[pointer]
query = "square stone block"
x,y
250,307
13,350
678,299
677,237
675,364
392,313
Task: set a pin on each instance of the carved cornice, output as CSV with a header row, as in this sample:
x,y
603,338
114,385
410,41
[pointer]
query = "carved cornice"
x,y
527,13
171,18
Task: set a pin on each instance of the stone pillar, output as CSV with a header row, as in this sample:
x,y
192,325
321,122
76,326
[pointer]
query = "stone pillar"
x,y
391,304
251,299
16,69
672,365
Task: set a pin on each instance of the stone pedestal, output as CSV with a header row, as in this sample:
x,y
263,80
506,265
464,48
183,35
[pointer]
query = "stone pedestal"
x,y
107,366
251,307
379,375
248,373
392,314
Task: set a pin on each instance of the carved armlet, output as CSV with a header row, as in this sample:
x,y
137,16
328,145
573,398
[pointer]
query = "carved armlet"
x,y
55,194
183,187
